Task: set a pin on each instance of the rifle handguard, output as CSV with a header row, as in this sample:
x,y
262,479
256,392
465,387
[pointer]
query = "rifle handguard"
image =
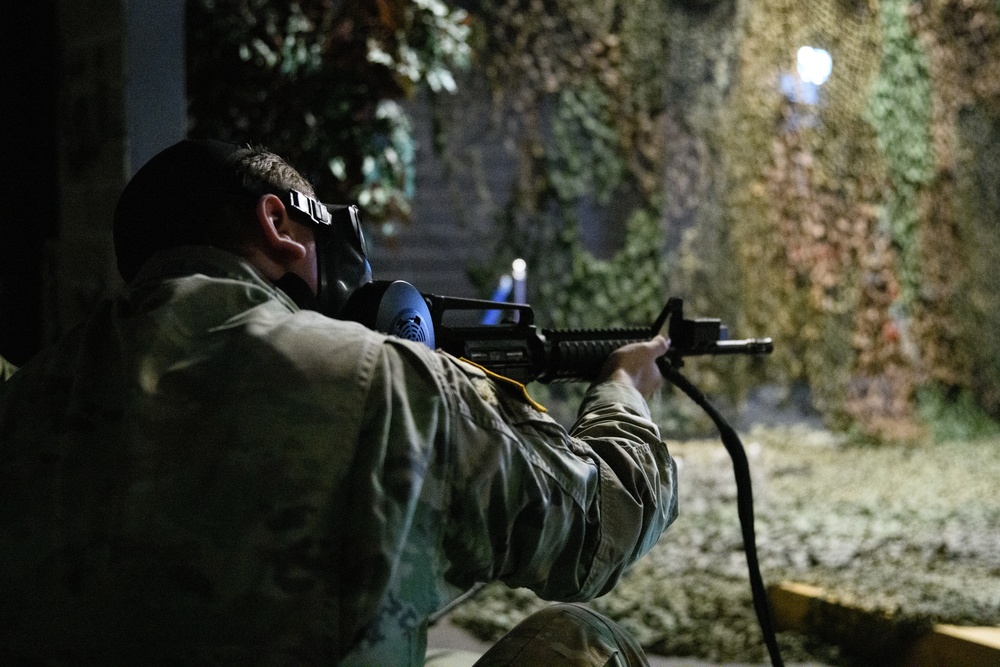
x,y
579,354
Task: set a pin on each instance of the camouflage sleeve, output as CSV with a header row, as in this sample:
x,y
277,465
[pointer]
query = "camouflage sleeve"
x,y
615,423
522,500
7,369
458,479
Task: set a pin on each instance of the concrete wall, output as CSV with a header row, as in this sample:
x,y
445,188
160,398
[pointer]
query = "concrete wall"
x,y
455,200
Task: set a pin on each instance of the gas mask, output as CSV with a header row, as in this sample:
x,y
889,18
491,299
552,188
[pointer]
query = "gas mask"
x,y
341,250
346,289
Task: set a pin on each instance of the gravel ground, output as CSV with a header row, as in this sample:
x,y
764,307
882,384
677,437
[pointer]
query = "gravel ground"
x,y
911,531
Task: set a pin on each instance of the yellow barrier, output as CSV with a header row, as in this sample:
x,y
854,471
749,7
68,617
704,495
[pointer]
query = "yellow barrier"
x,y
811,610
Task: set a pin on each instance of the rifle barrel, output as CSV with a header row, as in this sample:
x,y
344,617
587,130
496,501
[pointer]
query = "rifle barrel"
x,y
745,346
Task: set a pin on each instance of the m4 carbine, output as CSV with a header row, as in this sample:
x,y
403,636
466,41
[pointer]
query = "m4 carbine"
x,y
516,348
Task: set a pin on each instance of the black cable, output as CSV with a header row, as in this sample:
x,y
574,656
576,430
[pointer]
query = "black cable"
x,y
744,504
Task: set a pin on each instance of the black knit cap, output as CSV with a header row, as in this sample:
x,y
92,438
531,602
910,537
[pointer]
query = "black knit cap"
x,y
172,199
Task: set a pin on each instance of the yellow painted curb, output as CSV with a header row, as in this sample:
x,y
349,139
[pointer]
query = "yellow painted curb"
x,y
810,609
957,646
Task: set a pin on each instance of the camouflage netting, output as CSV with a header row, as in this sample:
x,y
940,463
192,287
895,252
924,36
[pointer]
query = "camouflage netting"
x,y
958,316
584,104
857,229
807,183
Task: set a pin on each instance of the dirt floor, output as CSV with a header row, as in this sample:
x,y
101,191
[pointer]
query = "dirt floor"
x,y
911,531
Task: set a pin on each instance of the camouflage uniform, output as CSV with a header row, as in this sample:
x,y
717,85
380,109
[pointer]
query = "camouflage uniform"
x,y
7,369
204,473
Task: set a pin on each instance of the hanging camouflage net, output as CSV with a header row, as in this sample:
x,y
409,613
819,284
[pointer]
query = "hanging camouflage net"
x,y
844,208
849,219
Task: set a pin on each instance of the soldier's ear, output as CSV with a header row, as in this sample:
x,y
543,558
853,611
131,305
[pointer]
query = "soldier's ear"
x,y
282,236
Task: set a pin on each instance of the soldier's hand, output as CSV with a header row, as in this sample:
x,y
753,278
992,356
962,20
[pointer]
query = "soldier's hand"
x,y
635,364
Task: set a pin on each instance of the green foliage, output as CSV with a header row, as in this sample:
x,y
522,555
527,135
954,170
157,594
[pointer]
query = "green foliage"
x,y
955,416
586,151
586,83
626,290
432,41
320,81
900,102
900,110
978,213
387,168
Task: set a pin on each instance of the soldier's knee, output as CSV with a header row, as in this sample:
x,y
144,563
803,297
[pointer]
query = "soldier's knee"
x,y
565,634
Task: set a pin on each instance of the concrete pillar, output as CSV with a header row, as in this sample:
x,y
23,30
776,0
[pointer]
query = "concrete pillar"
x,y
155,98
122,100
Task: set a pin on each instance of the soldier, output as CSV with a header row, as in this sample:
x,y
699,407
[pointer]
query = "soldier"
x,y
210,470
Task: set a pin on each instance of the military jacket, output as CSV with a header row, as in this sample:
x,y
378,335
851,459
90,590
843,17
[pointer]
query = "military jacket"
x,y
203,473
7,369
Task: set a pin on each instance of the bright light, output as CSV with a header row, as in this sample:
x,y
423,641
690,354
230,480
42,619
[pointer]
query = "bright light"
x,y
814,65
519,268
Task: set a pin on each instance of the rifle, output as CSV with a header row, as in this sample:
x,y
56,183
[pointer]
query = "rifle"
x,y
516,348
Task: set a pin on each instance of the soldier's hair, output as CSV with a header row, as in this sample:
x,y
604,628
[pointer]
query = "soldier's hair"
x,y
197,193
260,172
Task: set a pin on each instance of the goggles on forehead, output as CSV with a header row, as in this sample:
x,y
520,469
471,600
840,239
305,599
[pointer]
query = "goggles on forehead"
x,y
341,249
